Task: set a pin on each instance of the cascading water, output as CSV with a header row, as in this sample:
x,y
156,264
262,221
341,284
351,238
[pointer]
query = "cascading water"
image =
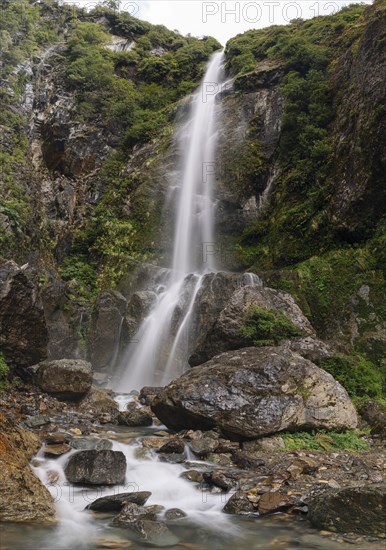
x,y
157,352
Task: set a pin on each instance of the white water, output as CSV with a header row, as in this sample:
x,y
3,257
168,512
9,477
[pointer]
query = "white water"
x,y
158,354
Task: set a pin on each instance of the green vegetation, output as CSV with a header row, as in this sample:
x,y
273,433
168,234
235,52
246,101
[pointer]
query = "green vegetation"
x,y
4,371
351,440
359,376
268,327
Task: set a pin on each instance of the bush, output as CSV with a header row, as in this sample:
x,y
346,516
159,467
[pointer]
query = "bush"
x,y
268,327
4,371
359,376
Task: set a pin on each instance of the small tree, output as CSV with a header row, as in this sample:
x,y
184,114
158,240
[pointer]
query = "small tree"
x,y
112,4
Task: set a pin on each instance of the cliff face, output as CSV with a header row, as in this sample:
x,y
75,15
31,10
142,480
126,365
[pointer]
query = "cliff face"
x,y
90,103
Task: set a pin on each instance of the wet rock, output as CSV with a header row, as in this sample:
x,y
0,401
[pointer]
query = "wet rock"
x,y
239,504
173,446
247,460
56,450
23,497
202,447
37,422
173,458
114,503
219,479
147,394
174,513
135,418
275,443
23,330
56,438
133,512
350,510
154,533
112,542
96,468
64,378
226,333
270,503
98,403
254,392
193,475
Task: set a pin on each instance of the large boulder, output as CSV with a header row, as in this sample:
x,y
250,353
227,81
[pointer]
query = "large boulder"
x,y
64,378
350,510
226,332
114,503
255,392
23,497
96,468
23,330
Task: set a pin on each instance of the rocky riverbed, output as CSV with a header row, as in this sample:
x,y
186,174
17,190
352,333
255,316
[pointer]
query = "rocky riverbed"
x,y
172,488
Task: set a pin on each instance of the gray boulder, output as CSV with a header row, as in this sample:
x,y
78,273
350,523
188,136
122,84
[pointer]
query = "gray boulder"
x,y
96,468
64,378
135,417
350,510
226,334
255,392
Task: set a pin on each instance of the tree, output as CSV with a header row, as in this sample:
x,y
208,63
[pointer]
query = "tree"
x,y
112,4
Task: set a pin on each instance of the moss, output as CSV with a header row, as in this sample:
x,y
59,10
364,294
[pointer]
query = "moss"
x,y
4,371
268,327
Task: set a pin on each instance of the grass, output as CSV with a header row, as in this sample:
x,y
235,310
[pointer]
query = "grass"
x,y
351,440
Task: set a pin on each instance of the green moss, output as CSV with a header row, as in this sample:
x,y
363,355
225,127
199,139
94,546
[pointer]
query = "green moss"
x,y
326,441
4,371
268,327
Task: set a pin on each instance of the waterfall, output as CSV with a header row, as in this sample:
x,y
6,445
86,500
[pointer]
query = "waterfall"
x,y
158,352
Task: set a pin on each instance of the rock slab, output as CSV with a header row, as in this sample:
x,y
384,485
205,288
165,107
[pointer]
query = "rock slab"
x,y
96,468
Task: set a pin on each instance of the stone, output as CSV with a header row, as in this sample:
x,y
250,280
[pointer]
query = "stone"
x,y
132,512
23,497
226,333
359,510
172,446
174,513
64,378
255,392
112,542
204,446
135,418
56,450
114,503
56,437
220,479
375,415
96,468
247,460
98,402
23,329
37,422
270,503
193,475
147,394
154,533
239,504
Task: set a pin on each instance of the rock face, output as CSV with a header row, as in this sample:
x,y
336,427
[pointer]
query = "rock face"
x,y
225,334
23,497
96,468
65,378
351,509
23,331
254,392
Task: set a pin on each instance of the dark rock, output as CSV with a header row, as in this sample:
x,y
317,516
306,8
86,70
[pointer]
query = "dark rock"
x,y
350,510
275,443
239,504
247,460
55,438
23,330
174,513
254,392
375,416
270,503
134,418
147,394
98,403
96,468
173,446
114,503
219,479
203,447
64,378
226,332
154,533
37,422
173,458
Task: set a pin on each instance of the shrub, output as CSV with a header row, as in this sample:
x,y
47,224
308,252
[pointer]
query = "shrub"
x,y
268,327
4,371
